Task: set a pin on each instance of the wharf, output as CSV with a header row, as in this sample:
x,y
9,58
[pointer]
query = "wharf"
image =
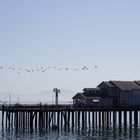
x,y
40,116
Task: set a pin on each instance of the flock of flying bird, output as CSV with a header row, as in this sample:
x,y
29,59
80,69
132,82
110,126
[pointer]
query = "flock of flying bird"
x,y
42,69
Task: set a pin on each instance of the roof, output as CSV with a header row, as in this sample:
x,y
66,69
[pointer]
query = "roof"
x,y
92,95
137,82
106,83
86,95
93,92
77,95
91,89
126,85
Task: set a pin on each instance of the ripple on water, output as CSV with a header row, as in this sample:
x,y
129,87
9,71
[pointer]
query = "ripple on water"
x,y
105,132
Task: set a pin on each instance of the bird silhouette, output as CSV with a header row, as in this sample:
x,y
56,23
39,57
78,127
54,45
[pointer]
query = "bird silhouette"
x,y
43,69
84,68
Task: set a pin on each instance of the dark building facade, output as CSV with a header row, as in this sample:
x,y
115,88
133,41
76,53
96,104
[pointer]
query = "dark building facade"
x,y
110,93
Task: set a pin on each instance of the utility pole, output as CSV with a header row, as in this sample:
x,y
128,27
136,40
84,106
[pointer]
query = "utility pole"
x,y
56,95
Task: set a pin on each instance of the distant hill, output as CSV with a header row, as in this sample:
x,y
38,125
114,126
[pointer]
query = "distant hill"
x,y
46,97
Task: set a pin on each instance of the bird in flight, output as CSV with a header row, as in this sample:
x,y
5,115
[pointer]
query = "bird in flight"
x,y
43,69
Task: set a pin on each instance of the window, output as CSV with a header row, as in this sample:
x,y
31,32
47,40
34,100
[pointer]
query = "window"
x,y
96,100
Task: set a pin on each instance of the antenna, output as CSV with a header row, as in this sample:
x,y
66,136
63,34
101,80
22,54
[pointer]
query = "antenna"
x,y
18,98
9,99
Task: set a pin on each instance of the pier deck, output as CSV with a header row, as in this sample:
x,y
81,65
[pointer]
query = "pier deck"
x,y
46,116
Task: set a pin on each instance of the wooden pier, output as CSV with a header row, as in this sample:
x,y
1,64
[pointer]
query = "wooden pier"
x,y
66,116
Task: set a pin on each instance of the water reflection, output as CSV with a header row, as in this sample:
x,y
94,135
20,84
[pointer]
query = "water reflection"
x,y
100,125
99,132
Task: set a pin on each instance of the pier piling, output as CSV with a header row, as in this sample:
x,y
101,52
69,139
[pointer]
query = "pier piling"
x,y
29,117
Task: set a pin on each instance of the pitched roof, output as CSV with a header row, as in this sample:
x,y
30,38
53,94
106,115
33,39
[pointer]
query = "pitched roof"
x,y
106,83
92,89
93,94
109,84
137,82
77,95
126,85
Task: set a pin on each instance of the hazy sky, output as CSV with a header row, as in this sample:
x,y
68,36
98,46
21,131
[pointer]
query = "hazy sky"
x,y
37,34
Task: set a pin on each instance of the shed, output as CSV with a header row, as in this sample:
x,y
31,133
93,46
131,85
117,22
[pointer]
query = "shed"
x,y
92,97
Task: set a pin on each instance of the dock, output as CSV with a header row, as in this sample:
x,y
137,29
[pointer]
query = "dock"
x,y
66,116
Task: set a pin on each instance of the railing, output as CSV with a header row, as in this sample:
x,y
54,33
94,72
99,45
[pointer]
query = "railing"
x,y
66,107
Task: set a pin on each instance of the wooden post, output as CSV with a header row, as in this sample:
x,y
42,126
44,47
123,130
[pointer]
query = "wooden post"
x,y
120,117
61,119
107,119
65,120
58,119
93,120
68,119
99,120
31,120
136,118
26,120
12,121
36,120
40,120
103,121
114,117
3,110
130,117
46,120
96,119
110,117
83,119
72,119
23,120
16,120
52,116
89,119
49,119
9,119
2,119
6,119
125,118
78,119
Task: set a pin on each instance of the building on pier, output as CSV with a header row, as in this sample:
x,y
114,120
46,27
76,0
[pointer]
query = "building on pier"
x,y
110,93
92,96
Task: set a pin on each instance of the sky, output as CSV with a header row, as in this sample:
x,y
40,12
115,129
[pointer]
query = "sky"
x,y
56,39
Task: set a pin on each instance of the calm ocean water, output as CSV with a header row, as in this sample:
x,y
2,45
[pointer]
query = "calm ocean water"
x,y
128,133
100,133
